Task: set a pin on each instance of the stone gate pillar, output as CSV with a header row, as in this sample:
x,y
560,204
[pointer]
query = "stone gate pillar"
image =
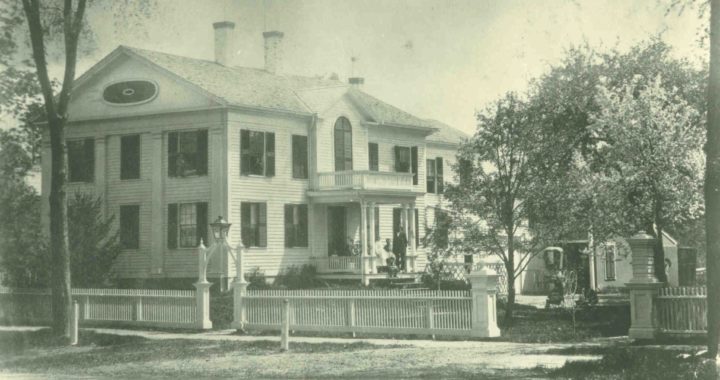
x,y
483,292
643,287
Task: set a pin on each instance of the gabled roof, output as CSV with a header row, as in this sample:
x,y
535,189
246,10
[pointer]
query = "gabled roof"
x,y
445,134
257,88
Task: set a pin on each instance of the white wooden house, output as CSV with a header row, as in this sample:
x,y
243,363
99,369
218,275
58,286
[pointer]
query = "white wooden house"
x,y
298,165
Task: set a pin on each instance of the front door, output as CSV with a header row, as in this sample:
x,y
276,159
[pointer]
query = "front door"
x,y
336,231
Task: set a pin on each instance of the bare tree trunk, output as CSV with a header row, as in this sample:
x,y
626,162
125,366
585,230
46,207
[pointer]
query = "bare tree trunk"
x,y
712,184
56,112
510,269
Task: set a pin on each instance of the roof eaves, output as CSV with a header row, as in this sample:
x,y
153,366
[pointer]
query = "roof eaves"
x,y
269,110
427,129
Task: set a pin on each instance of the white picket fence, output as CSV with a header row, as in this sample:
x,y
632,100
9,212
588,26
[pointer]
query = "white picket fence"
x,y
681,310
140,307
362,311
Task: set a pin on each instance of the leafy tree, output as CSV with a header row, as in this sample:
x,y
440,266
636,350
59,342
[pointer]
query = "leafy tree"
x,y
648,141
94,241
55,32
576,188
495,182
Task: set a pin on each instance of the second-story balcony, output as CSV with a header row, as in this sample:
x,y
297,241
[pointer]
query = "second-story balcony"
x,y
363,180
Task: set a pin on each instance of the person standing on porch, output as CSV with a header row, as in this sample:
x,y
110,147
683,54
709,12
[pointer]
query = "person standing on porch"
x,y
399,247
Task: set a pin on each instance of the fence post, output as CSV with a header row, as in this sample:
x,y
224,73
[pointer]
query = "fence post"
x,y
350,315
643,287
202,303
138,308
430,317
86,307
285,329
239,291
483,292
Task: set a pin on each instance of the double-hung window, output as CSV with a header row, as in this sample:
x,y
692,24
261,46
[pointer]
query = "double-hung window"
x,y
434,176
81,160
406,161
253,220
296,226
187,224
187,153
130,226
299,157
257,153
130,157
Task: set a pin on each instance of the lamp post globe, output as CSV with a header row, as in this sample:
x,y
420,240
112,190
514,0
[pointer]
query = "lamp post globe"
x,y
220,228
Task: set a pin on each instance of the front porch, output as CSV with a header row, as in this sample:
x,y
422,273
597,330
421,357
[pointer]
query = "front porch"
x,y
349,231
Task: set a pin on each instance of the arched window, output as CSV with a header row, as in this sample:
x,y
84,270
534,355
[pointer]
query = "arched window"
x,y
343,145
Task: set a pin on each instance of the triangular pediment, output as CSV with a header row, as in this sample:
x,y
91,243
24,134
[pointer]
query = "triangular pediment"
x,y
90,100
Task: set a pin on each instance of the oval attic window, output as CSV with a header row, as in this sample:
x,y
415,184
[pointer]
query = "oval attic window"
x,y
130,92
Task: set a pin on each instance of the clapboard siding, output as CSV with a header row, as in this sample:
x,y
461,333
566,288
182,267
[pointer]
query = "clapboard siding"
x,y
275,192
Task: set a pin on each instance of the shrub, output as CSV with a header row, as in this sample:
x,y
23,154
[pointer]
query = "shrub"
x,y
294,277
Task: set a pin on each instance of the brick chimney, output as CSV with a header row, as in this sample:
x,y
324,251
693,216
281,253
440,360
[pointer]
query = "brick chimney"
x,y
273,51
223,42
356,82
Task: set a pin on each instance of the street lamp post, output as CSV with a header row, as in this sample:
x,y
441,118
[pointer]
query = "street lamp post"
x,y
220,228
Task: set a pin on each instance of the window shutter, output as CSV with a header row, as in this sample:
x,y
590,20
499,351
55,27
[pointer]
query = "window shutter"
x,y
172,225
339,150
245,224
439,179
397,158
244,151
130,157
289,227
377,222
89,159
373,156
269,154
172,154
262,225
202,152
201,222
303,226
414,164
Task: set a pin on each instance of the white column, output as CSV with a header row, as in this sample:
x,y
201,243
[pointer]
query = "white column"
x,y
371,239
406,223
410,257
158,206
100,169
363,243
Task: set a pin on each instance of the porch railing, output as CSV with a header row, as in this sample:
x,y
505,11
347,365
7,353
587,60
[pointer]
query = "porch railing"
x,y
363,180
338,264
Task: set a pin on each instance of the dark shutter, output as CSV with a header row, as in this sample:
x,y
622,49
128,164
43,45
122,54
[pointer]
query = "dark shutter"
x,y
377,222
244,152
397,158
302,239
130,157
289,227
262,225
130,226
172,154
172,225
245,228
201,222
88,160
414,164
373,156
299,157
439,177
202,152
269,154
339,150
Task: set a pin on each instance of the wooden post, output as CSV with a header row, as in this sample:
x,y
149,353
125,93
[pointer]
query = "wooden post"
x,y
202,303
285,328
371,239
363,244
430,317
643,287
239,291
74,323
410,256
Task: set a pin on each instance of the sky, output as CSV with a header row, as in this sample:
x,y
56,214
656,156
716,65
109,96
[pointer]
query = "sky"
x,y
441,59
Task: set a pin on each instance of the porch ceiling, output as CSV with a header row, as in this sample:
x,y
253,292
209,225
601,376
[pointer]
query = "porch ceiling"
x,y
377,196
